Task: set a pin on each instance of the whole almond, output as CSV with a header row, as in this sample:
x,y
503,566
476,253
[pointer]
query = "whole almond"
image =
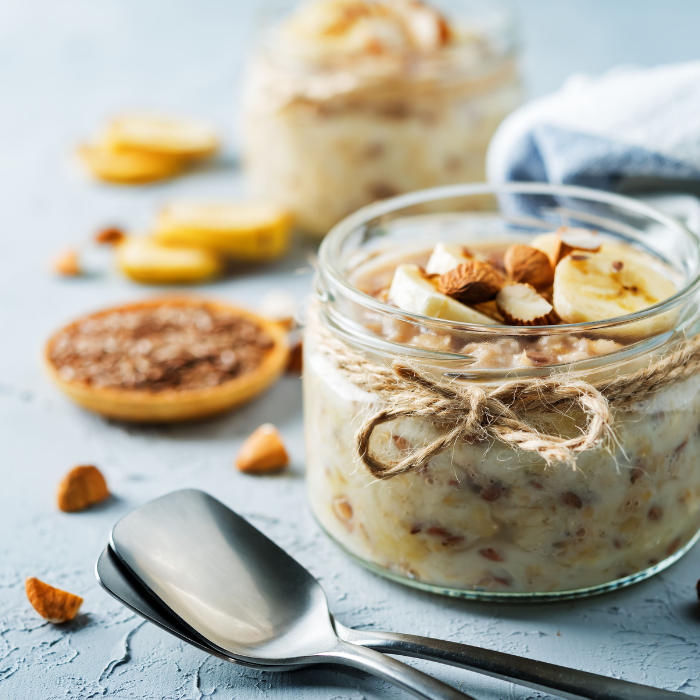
x,y
263,451
471,282
83,486
110,236
52,603
67,264
528,265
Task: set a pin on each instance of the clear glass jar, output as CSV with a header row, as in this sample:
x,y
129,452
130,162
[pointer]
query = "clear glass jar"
x,y
482,519
324,135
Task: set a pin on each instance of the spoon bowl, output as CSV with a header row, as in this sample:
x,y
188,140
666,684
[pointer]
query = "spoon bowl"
x,y
151,554
237,592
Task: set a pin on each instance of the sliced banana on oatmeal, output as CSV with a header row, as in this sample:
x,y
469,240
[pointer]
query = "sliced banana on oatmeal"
x,y
445,257
604,285
411,290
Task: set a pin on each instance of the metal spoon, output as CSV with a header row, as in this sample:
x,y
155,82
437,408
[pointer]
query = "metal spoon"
x,y
237,592
564,682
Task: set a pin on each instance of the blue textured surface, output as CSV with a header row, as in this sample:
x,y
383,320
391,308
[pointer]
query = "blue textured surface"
x,y
63,67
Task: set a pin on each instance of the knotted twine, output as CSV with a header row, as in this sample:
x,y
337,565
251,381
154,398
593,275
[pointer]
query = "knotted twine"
x,y
509,413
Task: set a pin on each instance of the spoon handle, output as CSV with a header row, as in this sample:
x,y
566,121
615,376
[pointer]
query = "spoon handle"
x,y
564,682
410,679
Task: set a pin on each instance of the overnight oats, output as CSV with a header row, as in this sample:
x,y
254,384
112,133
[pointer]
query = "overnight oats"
x,y
506,403
351,101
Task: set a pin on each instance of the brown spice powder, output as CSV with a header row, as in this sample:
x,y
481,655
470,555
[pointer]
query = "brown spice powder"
x,y
153,349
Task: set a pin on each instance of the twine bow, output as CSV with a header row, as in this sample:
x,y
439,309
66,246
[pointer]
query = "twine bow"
x,y
510,413
468,413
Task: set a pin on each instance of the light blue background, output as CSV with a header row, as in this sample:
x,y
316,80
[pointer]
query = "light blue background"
x,y
63,67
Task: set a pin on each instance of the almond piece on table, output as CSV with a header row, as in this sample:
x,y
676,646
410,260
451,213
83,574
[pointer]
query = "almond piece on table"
x,y
296,358
471,282
521,305
263,451
110,236
83,486
67,264
529,265
52,603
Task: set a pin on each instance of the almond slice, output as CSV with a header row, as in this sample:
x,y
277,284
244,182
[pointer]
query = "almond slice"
x,y
52,603
521,305
529,265
563,242
578,239
263,451
471,282
83,486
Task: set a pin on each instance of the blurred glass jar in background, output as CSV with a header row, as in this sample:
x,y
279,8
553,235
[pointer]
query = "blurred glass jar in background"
x,y
350,101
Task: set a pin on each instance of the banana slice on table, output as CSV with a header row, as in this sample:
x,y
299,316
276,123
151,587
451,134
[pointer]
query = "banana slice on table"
x,y
145,260
445,257
245,230
128,167
162,136
604,285
411,291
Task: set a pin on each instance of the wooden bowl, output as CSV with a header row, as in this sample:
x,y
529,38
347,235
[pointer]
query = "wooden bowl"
x,y
173,405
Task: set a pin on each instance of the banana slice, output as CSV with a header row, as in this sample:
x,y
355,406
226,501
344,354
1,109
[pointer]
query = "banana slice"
x,y
601,286
145,260
158,135
411,291
256,231
445,257
128,167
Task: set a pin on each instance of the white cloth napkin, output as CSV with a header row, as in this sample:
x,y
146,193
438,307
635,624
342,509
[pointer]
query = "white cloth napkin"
x,y
630,130
627,124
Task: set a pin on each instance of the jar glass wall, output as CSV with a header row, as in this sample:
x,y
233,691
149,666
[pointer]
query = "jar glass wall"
x,y
481,518
329,130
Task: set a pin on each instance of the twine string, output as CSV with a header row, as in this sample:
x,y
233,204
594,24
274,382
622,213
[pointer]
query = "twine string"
x,y
511,413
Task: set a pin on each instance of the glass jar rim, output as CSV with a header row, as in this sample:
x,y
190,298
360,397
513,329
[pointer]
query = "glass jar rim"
x,y
329,254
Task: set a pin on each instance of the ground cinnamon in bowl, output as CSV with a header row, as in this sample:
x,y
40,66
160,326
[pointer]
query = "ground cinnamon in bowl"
x,y
167,359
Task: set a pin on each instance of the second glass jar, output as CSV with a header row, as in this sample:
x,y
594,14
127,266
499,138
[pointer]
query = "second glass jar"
x,y
326,133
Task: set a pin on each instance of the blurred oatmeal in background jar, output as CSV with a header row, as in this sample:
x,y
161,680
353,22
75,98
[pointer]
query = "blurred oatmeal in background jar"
x,y
350,101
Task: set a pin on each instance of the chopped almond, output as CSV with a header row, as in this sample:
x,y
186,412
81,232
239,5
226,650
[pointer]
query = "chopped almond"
x,y
83,486
579,239
296,358
471,282
52,603
67,264
110,236
263,451
529,266
557,246
521,305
